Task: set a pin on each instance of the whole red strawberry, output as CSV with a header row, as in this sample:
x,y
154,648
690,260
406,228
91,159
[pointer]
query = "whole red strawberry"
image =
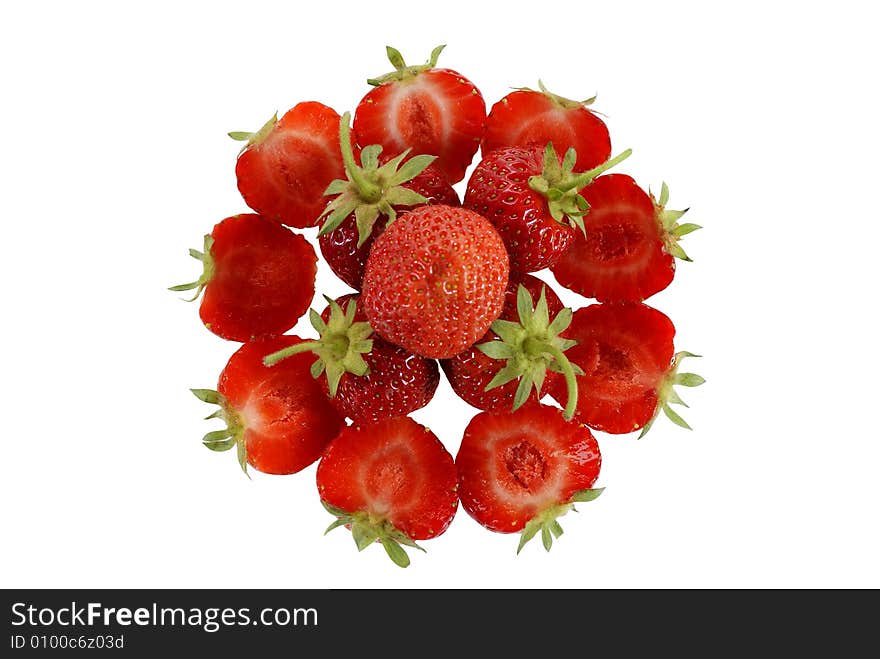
x,y
392,482
522,351
286,165
533,200
521,471
435,280
629,367
258,278
631,242
278,419
367,379
372,195
433,111
526,117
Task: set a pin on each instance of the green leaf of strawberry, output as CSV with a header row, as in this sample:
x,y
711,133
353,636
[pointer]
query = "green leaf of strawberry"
x,y
530,347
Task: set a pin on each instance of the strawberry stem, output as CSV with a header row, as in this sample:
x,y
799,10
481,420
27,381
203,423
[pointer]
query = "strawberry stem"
x,y
340,346
401,70
531,347
207,270
369,191
570,380
230,436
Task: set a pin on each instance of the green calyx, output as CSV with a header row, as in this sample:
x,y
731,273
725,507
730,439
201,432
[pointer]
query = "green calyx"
x,y
532,346
251,139
561,185
232,434
370,190
547,521
666,395
367,529
207,270
340,346
561,101
671,230
401,70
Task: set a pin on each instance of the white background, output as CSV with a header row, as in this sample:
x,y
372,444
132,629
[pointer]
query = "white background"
x,y
762,118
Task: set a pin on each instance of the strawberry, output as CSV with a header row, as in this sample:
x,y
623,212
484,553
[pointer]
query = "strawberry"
x,y
533,200
526,117
431,110
631,242
352,217
258,278
520,352
626,352
391,482
278,419
366,379
285,166
435,280
521,471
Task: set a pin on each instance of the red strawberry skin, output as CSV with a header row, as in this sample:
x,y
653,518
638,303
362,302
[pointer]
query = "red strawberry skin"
x,y
263,279
284,176
499,190
286,416
438,112
435,280
622,256
339,247
511,467
525,118
625,350
471,370
398,383
395,470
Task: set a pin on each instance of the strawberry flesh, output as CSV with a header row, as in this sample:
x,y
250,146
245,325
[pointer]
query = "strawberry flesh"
x,y
283,177
622,256
263,278
514,467
625,350
285,416
396,471
437,112
524,118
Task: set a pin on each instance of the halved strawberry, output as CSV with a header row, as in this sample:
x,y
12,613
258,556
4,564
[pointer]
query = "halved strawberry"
x,y
370,198
367,379
526,117
630,245
523,351
278,419
285,166
258,278
433,111
532,198
626,352
435,280
523,470
391,482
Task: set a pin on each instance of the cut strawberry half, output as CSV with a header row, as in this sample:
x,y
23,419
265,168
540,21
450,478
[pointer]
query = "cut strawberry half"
x,y
519,472
526,117
392,482
258,278
629,367
629,246
430,110
278,419
285,166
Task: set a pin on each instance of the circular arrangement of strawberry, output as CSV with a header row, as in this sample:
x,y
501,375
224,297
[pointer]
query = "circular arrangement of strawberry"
x,y
442,283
